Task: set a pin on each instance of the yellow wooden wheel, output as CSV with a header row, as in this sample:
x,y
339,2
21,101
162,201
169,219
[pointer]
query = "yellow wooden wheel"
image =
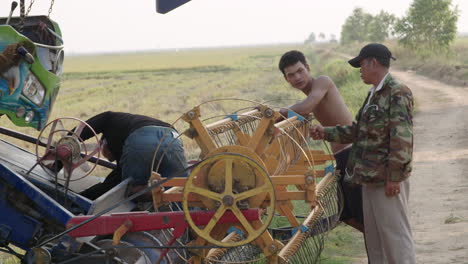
x,y
227,196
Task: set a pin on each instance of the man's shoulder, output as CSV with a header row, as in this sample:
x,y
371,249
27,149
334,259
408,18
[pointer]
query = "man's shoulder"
x,y
323,78
397,87
323,81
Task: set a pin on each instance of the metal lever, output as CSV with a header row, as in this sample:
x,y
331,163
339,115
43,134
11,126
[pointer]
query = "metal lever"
x,y
25,54
14,4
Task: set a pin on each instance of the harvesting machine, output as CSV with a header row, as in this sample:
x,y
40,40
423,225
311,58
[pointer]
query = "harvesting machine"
x,y
257,192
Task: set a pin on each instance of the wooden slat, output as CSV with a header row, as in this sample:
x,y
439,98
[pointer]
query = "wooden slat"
x,y
243,139
203,137
291,195
260,138
288,179
174,190
178,181
318,173
315,152
285,208
218,123
176,196
286,122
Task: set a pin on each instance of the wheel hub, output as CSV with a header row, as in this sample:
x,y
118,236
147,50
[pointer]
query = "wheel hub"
x,y
228,200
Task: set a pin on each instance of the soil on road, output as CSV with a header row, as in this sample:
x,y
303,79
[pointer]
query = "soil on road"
x,y
439,182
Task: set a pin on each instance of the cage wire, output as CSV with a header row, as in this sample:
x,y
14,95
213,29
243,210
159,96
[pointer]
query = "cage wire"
x,y
300,247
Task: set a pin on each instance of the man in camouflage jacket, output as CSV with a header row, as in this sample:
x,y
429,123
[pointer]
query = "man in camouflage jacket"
x,y
381,156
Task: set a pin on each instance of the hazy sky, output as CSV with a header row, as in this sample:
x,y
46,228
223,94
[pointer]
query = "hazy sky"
x,y
134,25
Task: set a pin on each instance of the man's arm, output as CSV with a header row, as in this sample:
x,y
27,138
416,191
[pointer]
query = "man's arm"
x,y
401,133
340,134
321,86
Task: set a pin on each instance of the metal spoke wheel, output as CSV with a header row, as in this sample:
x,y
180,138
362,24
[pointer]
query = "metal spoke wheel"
x,y
62,142
241,183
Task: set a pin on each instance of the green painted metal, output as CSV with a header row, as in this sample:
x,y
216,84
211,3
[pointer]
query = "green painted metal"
x,y
9,104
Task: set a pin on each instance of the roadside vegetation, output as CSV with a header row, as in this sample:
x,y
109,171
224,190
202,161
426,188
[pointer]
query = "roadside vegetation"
x,y
450,68
424,40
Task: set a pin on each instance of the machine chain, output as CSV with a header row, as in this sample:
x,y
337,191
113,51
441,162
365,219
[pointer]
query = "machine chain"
x,y
51,7
23,14
29,8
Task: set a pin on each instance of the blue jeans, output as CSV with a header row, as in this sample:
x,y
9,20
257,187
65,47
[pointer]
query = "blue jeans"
x,y
139,150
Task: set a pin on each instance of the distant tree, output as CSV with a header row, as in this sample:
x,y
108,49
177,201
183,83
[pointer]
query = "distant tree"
x,y
333,38
355,27
380,27
322,35
429,26
361,26
310,39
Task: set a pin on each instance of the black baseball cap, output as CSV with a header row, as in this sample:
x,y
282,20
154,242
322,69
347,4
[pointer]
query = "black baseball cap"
x,y
373,50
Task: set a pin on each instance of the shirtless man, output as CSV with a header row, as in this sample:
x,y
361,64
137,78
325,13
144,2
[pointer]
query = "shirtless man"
x,y
325,102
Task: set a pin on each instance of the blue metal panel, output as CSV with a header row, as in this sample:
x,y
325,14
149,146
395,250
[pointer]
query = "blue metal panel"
x,y
20,160
22,228
44,204
82,202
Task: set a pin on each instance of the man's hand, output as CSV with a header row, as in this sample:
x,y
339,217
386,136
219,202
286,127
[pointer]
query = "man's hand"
x,y
283,115
317,132
284,112
392,188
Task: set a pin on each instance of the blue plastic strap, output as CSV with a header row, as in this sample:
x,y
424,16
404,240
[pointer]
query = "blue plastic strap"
x,y
233,117
233,229
301,228
291,113
330,168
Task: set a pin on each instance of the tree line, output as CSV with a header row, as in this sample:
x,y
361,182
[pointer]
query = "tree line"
x,y
428,27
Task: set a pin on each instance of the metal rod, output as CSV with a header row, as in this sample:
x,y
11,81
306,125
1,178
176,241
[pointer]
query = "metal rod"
x,y
228,119
14,4
33,140
55,34
48,46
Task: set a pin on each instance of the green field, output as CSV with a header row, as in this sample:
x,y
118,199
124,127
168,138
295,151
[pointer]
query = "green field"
x,y
166,84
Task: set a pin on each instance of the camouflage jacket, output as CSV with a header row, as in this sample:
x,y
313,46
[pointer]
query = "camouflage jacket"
x,y
382,136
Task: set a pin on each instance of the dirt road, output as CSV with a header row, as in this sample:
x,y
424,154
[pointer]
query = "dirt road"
x,y
439,182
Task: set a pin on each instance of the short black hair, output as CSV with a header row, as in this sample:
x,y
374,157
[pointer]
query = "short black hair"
x,y
290,58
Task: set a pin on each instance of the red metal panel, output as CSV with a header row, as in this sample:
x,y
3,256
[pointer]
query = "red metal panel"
x,y
144,221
